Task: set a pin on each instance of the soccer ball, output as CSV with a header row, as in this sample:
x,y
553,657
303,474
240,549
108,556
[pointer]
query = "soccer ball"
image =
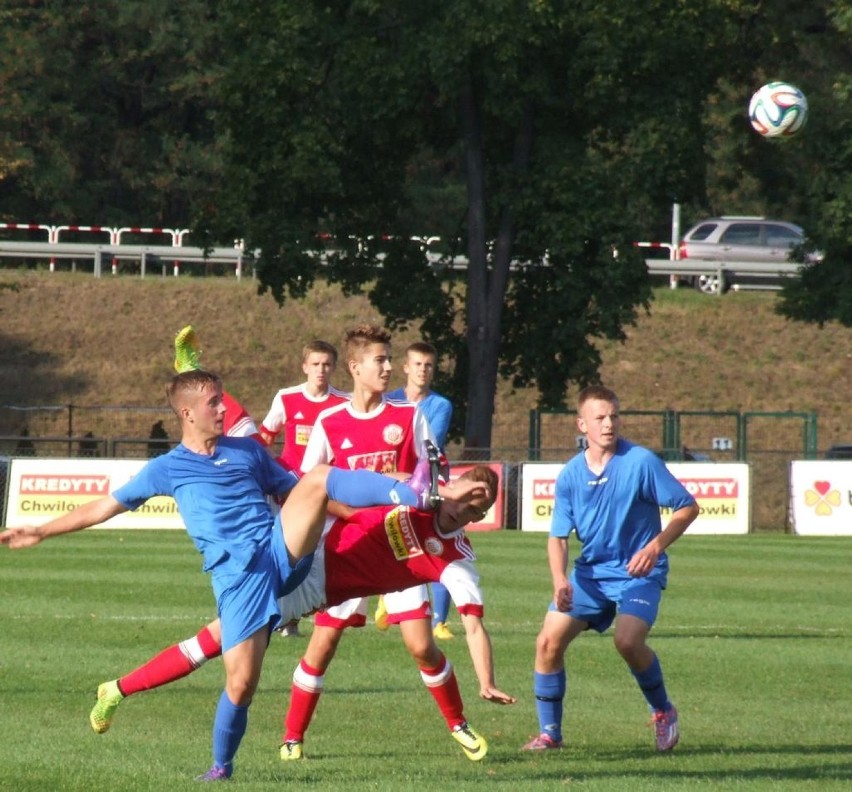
x,y
778,109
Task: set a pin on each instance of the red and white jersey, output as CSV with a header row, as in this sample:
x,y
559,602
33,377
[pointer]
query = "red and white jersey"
x,y
237,422
380,549
385,440
295,411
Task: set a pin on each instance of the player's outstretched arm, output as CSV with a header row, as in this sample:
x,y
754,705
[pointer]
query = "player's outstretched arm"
x,y
479,645
92,513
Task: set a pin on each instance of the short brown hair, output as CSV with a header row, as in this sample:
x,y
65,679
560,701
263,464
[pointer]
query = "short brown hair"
x,y
423,348
181,384
356,340
598,392
485,475
322,347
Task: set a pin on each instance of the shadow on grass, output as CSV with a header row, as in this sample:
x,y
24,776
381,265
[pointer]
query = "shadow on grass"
x,y
756,636
747,762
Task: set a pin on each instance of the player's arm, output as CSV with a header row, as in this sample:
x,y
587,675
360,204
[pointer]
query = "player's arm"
x,y
92,513
440,422
267,437
557,559
643,561
479,646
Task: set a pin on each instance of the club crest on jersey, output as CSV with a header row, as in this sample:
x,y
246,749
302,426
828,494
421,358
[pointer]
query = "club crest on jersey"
x,y
401,535
392,434
434,546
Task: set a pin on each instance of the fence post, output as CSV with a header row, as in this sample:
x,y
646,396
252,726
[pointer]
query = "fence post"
x,y
535,435
811,436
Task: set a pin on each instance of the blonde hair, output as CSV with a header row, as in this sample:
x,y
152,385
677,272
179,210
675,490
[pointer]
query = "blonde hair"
x,y
356,340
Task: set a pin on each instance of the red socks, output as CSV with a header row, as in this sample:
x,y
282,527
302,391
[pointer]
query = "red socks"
x,y
172,663
442,684
304,695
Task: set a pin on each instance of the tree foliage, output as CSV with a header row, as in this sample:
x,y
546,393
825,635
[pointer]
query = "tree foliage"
x,y
537,139
555,118
107,111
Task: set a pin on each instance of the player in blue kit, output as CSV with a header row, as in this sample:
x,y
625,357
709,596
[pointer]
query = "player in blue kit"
x,y
220,485
421,359
610,495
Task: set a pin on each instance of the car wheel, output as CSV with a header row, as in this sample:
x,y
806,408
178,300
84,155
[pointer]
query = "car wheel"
x,y
709,284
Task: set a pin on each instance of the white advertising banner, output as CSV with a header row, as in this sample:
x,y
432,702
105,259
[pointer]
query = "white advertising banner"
x,y
722,492
41,489
821,497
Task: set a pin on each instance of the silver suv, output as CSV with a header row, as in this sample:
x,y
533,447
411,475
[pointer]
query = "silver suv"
x,y
752,252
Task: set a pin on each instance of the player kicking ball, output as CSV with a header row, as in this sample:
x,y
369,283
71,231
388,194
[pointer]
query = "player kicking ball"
x,y
221,486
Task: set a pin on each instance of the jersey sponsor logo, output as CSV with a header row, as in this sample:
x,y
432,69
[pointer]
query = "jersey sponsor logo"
x,y
392,434
303,434
434,546
380,462
401,535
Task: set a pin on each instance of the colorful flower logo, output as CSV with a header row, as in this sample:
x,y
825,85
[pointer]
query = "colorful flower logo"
x,y
822,498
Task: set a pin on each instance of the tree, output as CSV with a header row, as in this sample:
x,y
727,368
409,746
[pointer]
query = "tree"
x,y
824,290
555,117
107,111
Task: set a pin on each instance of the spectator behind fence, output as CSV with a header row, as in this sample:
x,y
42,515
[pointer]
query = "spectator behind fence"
x,y
158,442
25,446
88,446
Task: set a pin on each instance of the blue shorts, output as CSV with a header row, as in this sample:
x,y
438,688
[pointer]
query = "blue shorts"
x,y
598,601
248,601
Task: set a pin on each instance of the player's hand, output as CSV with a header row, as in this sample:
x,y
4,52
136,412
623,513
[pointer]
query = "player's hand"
x,y
496,696
458,489
563,597
643,561
17,538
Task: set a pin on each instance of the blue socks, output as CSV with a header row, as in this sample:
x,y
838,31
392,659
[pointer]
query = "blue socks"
x,y
360,488
440,603
229,726
549,692
651,684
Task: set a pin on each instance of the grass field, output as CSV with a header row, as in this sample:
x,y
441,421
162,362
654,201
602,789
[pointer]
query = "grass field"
x,y
755,637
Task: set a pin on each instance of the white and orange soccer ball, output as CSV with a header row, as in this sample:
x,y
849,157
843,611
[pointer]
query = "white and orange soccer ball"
x,y
778,109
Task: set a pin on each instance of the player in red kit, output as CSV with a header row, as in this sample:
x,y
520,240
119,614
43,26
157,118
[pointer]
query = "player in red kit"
x,y
377,548
373,433
294,410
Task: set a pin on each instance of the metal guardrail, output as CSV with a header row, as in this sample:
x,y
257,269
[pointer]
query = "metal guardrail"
x,y
146,255
727,272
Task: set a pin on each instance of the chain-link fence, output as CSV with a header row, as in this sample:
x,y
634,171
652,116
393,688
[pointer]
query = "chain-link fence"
x,y
767,441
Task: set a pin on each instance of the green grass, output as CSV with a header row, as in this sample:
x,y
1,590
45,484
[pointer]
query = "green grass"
x,y
754,635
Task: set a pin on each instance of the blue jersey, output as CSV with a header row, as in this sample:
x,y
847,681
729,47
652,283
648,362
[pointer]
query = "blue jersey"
x,y
221,498
437,409
616,513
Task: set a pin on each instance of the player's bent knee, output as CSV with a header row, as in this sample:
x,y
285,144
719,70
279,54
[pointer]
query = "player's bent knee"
x,y
548,648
